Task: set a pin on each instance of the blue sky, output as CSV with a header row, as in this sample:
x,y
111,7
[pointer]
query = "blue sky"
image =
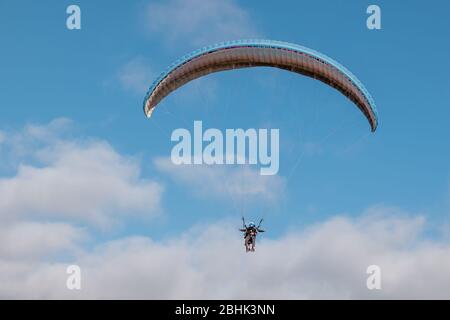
x,y
97,77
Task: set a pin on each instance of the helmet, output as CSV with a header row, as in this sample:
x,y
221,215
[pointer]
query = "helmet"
x,y
251,224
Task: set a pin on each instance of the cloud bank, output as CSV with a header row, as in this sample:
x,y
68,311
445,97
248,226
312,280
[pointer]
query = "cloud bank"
x,y
85,180
325,261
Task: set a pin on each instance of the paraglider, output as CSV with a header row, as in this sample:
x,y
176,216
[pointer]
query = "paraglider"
x,y
261,53
250,233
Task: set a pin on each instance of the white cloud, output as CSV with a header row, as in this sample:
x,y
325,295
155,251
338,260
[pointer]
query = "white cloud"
x,y
199,22
223,181
32,240
136,76
48,132
81,180
328,260
19,144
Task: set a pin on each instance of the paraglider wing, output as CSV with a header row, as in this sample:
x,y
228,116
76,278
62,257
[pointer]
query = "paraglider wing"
x,y
253,53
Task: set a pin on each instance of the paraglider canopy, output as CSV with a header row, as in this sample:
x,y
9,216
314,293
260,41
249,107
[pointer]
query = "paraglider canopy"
x,y
253,53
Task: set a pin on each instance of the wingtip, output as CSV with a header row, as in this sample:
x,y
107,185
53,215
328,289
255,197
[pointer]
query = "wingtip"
x,y
148,112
